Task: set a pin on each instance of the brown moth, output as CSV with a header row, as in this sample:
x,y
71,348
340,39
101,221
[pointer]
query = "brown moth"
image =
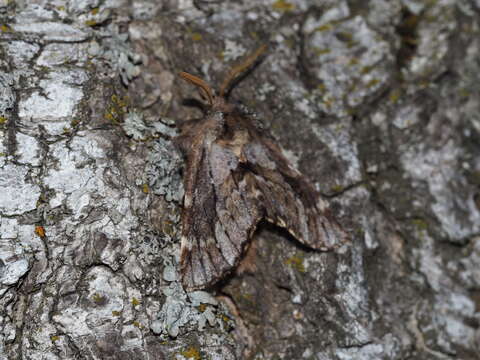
x,y
236,175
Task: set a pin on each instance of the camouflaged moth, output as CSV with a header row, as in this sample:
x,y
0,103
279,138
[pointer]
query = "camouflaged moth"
x,y
236,176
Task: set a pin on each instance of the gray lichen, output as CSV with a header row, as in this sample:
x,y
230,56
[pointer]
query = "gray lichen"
x,y
6,93
181,309
163,170
116,50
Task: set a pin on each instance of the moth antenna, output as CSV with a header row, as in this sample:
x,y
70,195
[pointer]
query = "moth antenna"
x,y
236,71
200,83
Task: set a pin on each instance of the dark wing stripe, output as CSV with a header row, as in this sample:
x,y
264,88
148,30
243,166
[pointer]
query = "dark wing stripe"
x,y
197,269
224,223
212,229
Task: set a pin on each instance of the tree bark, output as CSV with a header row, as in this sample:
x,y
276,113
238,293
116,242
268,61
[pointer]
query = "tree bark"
x,y
376,102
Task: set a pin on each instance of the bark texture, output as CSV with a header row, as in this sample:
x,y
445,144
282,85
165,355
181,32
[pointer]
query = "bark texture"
x,y
377,102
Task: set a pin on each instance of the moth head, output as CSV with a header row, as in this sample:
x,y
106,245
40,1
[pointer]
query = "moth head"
x,y
220,103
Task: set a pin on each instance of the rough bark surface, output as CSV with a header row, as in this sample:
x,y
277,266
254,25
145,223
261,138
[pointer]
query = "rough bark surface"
x,y
377,102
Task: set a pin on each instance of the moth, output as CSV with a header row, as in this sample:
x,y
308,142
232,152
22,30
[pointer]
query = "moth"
x,y
236,176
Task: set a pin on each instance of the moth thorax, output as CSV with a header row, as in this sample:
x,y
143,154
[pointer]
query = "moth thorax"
x,y
218,116
216,125
220,104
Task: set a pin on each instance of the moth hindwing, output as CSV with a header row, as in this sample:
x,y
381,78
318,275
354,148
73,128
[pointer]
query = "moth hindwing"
x,y
236,176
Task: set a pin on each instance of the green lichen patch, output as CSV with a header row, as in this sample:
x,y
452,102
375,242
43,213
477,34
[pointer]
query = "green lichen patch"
x,y
373,83
420,224
320,52
135,301
5,28
324,27
117,109
91,22
282,5
137,324
99,299
196,36
169,228
395,95
337,188
54,338
296,263
191,353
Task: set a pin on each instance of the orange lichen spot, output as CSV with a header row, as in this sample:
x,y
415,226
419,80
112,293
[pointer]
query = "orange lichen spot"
x,y
116,313
191,353
202,307
3,120
40,231
282,5
145,188
54,338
